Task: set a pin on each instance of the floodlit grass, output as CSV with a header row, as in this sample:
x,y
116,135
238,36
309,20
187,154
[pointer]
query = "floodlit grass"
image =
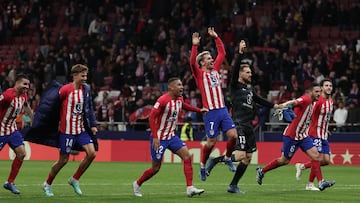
x,y
112,182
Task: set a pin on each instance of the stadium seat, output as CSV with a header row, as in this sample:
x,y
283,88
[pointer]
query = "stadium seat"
x,y
324,32
238,20
108,80
105,88
334,33
313,34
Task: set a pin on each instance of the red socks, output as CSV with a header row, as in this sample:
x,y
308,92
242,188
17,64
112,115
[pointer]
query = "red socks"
x,y
307,164
206,151
315,170
270,166
15,167
230,146
148,173
50,179
188,172
78,173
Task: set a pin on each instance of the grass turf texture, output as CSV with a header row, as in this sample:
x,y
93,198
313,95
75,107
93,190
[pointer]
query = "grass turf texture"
x,y
112,182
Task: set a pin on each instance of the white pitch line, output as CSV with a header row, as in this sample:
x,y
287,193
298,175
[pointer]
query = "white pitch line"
x,y
179,184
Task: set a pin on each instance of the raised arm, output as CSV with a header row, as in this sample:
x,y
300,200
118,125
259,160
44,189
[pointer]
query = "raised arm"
x,y
220,48
236,65
195,43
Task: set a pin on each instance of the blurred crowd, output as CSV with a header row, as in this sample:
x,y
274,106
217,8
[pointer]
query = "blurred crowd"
x,y
132,47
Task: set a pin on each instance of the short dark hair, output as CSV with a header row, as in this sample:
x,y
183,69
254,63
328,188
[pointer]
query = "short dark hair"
x,y
325,80
21,76
173,79
312,85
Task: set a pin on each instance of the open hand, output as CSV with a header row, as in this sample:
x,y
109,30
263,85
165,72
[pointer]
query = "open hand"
x,y
212,33
196,38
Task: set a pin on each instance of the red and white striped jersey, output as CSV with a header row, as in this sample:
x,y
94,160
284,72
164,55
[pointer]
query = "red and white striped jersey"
x,y
209,83
71,112
298,128
164,115
224,77
320,118
10,107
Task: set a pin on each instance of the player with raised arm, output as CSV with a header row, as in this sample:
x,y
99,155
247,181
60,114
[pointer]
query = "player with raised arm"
x,y
206,74
244,100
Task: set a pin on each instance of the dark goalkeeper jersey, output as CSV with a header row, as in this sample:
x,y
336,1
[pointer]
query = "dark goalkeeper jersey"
x,y
244,100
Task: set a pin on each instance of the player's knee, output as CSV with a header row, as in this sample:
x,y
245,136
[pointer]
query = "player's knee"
x,y
62,162
232,133
91,155
286,162
239,155
21,155
246,161
210,143
156,169
187,157
283,161
325,162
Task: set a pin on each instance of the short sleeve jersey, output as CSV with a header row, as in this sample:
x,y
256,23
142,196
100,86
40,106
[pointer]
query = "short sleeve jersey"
x,y
10,107
72,110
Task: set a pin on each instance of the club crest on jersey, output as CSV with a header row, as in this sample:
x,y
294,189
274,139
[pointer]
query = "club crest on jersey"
x,y
212,132
173,116
78,108
249,97
214,81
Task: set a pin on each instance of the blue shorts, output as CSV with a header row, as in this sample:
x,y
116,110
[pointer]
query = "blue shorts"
x,y
173,145
216,119
321,145
67,141
290,146
14,140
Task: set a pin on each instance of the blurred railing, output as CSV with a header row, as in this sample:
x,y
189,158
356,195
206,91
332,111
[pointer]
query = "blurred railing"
x,y
199,126
270,132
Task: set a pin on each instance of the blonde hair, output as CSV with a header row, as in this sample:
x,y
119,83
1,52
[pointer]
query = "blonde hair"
x,y
78,68
200,56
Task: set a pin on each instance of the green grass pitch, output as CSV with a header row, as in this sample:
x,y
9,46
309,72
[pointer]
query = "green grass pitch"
x,y
112,182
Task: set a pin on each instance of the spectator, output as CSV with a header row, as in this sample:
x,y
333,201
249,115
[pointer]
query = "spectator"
x,y
353,117
340,116
339,95
94,27
16,26
71,14
22,54
283,94
103,111
61,41
354,94
187,133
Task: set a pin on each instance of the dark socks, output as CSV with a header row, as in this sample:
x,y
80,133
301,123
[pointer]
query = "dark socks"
x,y
240,170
